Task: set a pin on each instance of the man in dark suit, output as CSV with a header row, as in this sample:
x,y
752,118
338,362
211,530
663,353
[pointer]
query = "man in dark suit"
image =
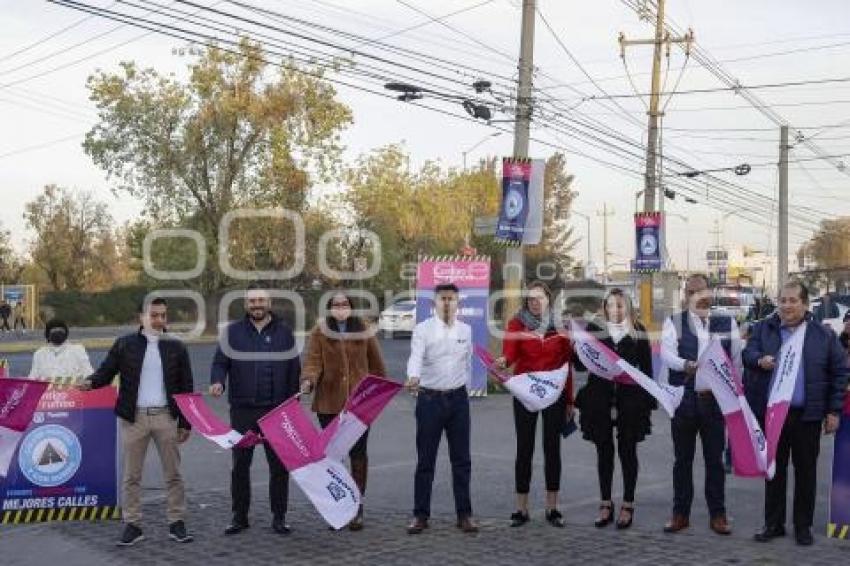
x,y
258,361
816,402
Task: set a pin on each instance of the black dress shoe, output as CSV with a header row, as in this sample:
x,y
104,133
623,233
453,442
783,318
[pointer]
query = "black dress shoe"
x,y
519,518
236,527
804,536
768,533
280,527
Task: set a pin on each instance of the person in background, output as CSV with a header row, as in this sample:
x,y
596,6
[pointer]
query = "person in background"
x,y
844,337
341,353
19,315
257,362
5,314
59,358
605,405
533,343
439,370
152,368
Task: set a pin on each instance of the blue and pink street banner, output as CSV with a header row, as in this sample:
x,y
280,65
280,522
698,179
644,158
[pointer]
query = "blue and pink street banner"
x,y
648,226
472,277
839,499
514,210
65,464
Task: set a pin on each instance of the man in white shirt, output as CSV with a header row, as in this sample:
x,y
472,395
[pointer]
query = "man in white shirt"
x,y
59,358
439,369
685,336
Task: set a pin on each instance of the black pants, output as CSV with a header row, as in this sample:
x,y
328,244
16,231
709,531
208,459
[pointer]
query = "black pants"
x,y
605,467
435,413
525,423
5,324
707,422
242,419
800,440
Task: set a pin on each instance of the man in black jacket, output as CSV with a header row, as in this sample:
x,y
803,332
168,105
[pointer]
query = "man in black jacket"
x,y
258,360
816,404
152,368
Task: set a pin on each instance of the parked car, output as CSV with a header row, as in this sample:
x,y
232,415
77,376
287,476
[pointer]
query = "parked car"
x,y
398,320
830,310
735,301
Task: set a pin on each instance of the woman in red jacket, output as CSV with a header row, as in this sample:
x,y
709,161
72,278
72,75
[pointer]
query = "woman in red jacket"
x,y
533,343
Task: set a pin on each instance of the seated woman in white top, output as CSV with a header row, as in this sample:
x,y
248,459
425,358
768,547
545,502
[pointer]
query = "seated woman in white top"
x,y
59,358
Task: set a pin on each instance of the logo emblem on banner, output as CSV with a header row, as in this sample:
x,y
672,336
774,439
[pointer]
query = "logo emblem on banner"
x,y
50,455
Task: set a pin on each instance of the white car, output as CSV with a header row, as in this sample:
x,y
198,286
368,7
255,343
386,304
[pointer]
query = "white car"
x,y
832,316
398,319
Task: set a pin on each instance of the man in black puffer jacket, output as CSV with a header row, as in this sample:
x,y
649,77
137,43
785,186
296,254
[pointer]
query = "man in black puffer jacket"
x,y
152,369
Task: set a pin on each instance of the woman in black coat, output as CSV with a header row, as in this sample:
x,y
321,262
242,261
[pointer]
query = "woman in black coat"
x,y
606,405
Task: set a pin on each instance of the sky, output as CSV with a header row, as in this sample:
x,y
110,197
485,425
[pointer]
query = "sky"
x,y
44,107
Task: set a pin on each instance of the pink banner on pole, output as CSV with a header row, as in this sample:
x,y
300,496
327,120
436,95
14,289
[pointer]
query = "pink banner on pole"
x,y
19,399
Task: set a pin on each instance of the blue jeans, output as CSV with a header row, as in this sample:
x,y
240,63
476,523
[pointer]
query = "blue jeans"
x,y
707,422
437,412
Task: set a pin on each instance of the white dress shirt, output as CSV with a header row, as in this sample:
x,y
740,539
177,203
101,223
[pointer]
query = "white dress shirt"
x,y
152,381
670,342
65,360
441,354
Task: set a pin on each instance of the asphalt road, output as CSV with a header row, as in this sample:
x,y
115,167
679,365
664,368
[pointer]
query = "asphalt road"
x,y
392,460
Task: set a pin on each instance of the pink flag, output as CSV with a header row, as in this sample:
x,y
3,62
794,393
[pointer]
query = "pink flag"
x,y
535,390
746,438
361,409
600,360
325,481
18,401
206,422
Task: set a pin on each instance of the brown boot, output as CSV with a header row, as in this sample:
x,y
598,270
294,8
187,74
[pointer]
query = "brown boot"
x,y
359,473
720,525
676,523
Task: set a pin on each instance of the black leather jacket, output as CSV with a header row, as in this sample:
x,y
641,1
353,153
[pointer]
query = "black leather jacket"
x,y
125,359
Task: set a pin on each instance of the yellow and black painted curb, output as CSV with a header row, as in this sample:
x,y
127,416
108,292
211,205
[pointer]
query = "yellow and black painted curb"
x,y
837,531
61,514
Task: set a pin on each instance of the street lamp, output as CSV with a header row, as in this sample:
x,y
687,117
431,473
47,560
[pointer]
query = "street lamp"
x,y
478,143
587,219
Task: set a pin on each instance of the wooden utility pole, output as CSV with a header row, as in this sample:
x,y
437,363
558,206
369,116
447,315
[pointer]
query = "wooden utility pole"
x,y
651,183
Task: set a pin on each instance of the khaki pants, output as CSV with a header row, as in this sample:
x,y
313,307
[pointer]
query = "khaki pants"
x,y
162,427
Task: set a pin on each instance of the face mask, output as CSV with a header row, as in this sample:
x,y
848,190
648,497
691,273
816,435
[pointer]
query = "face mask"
x,y
57,336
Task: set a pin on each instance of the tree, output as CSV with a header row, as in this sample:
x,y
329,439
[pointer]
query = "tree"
x,y
229,138
11,264
829,248
424,212
557,243
73,243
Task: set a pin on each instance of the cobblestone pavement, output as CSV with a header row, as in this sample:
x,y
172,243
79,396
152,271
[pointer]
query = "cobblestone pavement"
x,y
385,542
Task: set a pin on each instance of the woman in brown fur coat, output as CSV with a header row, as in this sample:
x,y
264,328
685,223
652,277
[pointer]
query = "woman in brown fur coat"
x,y
342,351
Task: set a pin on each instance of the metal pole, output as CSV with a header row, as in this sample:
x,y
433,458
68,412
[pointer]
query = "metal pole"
x,y
782,248
514,257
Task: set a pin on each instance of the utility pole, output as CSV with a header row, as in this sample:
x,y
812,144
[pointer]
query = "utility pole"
x,y
782,247
514,270
651,184
605,214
